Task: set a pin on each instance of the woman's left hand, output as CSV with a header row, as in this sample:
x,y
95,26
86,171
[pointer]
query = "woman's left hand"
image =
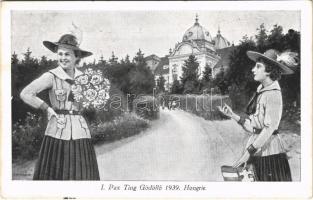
x,y
244,158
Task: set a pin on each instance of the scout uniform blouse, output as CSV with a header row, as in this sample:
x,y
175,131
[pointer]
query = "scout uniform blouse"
x,y
68,126
266,119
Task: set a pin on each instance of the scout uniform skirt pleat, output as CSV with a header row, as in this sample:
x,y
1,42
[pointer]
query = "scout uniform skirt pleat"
x,y
66,160
272,168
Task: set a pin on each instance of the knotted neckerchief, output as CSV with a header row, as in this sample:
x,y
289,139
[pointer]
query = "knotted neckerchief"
x,y
251,108
71,95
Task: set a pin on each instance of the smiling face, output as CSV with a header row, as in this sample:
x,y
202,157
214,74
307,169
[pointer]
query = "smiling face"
x,y
259,72
66,58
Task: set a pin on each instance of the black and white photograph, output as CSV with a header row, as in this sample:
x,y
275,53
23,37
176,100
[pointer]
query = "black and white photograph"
x,y
167,98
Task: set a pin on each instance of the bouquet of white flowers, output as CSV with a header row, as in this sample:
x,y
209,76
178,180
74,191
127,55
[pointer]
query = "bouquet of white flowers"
x,y
91,89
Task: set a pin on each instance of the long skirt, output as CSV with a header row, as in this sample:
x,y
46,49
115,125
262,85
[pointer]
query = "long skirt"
x,y
66,160
271,168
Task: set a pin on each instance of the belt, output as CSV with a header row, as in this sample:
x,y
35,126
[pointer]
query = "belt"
x,y
68,112
258,131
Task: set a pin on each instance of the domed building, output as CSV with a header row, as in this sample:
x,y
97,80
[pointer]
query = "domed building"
x,y
219,41
196,41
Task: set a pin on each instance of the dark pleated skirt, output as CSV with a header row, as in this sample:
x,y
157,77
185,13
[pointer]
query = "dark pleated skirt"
x,y
66,160
271,168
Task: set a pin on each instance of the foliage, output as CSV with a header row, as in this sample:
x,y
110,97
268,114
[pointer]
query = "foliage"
x,y
127,77
201,105
146,107
190,76
27,138
161,84
23,72
261,38
177,87
207,79
126,125
240,78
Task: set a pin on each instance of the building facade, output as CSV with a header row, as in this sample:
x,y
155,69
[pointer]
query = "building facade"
x,y
197,41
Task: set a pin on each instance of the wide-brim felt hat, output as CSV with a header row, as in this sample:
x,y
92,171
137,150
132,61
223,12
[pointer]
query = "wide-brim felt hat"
x,y
68,41
270,56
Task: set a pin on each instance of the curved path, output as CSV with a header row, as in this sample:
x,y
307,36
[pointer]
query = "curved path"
x,y
178,146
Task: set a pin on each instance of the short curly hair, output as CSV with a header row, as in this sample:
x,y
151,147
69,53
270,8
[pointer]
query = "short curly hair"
x,y
275,71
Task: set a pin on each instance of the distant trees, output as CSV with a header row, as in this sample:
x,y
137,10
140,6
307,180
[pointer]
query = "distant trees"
x,y
130,77
22,73
240,78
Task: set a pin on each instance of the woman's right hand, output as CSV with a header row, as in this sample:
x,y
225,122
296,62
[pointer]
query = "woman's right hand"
x,y
226,110
51,113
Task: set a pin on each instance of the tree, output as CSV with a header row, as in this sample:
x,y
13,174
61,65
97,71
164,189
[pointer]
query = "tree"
x,y
275,39
139,58
261,38
14,59
190,76
206,81
127,61
113,60
176,88
140,76
240,77
221,82
161,84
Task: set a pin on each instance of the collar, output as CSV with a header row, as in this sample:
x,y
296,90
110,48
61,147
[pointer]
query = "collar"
x,y
273,86
60,73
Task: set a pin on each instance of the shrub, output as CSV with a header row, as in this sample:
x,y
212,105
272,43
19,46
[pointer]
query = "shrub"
x,y
27,138
126,125
201,105
146,107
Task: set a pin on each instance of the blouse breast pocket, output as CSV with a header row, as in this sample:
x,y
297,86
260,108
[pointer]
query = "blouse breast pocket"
x,y
61,122
60,94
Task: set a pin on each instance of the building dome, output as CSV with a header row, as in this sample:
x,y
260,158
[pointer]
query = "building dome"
x,y
197,32
220,42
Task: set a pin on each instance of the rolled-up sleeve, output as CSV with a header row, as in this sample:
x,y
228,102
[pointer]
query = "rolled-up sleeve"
x,y
29,93
272,116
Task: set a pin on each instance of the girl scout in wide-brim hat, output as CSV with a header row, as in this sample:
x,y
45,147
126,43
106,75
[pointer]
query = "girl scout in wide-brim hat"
x,y
68,41
264,150
272,57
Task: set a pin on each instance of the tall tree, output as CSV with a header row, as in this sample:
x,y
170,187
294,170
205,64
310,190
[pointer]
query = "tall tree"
x,y
161,84
190,76
275,38
14,59
206,81
139,58
261,38
113,60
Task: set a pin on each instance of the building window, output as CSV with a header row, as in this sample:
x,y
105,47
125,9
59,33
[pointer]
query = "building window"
x,y
174,72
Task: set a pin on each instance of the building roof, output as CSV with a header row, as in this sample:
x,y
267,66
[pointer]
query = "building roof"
x,y
197,32
160,70
220,42
152,57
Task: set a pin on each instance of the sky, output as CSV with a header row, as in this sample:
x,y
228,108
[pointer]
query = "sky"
x,y
124,32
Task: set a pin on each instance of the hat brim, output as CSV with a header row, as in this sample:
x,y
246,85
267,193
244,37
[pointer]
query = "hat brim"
x,y
253,55
53,46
